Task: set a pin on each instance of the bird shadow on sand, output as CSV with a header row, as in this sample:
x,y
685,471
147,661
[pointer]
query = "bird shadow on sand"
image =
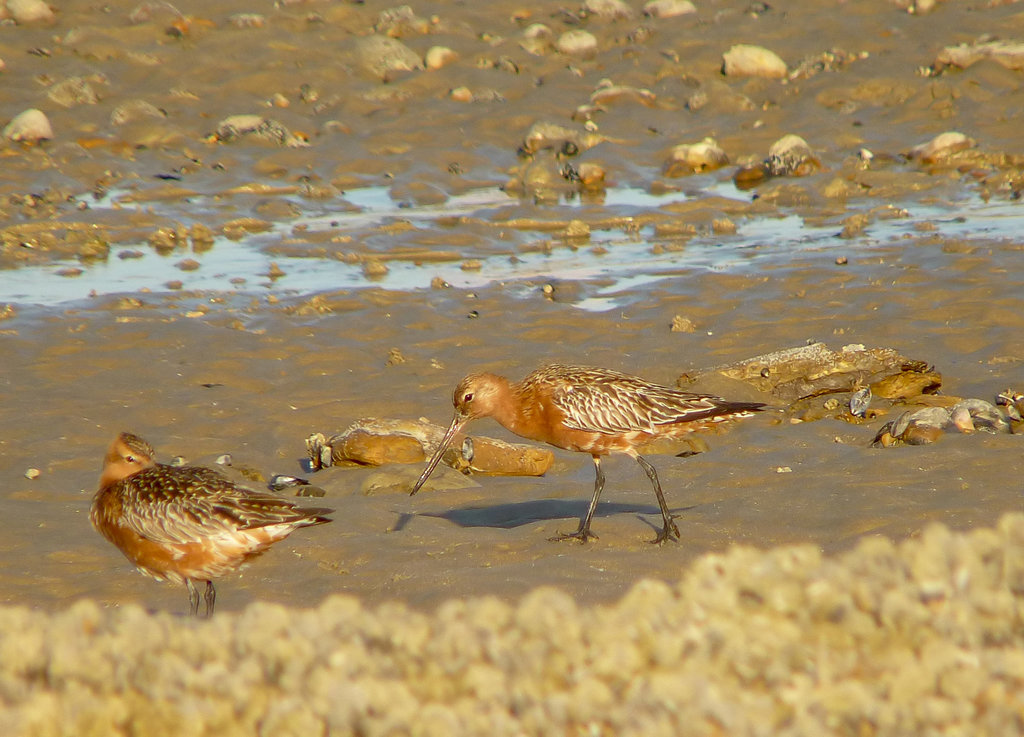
x,y
517,514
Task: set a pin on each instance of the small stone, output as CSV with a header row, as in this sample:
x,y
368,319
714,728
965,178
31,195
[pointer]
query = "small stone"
x,y
31,125
691,158
608,9
32,474
744,60
577,229
577,42
668,8
374,269
942,147
537,39
188,264
133,110
791,156
25,12
384,57
682,324
439,56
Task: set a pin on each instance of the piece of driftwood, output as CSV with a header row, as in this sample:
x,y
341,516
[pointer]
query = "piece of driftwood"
x,y
374,442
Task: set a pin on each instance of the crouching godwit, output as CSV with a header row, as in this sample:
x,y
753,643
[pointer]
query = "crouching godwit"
x,y
588,410
186,524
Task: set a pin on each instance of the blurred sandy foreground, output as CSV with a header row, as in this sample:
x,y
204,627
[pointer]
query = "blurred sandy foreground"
x,y
922,638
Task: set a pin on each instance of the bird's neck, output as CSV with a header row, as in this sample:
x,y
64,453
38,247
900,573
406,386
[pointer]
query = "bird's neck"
x,y
515,411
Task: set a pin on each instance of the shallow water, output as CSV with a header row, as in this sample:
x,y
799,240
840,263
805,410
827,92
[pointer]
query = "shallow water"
x,y
621,260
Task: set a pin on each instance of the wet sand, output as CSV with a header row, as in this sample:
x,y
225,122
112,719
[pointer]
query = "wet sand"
x,y
252,369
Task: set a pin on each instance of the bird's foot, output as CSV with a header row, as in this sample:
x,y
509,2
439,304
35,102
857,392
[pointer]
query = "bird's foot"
x,y
581,535
668,532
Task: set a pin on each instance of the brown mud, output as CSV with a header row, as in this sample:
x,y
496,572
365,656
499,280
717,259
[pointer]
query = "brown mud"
x,y
252,368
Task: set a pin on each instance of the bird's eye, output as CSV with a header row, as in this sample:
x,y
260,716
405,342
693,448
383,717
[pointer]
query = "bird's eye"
x,y
468,397
130,459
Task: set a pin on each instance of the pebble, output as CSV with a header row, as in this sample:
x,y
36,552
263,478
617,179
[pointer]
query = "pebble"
x,y
32,474
235,127
791,156
668,8
693,158
577,230
942,147
608,9
134,110
923,634
26,12
73,91
439,56
31,125
744,60
384,57
577,42
538,39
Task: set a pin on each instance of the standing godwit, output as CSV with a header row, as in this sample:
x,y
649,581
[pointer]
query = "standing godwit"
x,y
186,524
588,410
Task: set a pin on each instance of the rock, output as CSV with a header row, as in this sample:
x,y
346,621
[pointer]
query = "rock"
x,y
73,91
31,125
400,21
668,8
557,137
743,60
385,58
131,111
577,230
791,156
577,42
814,370
691,158
235,127
941,147
608,9
374,442
26,12
591,176
608,93
682,324
1009,54
538,39
439,56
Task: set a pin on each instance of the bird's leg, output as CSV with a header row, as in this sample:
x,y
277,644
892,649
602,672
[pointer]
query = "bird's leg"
x,y
583,533
669,531
211,596
193,598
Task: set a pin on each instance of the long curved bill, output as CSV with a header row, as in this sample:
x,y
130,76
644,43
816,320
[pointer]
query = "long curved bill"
x,y
453,429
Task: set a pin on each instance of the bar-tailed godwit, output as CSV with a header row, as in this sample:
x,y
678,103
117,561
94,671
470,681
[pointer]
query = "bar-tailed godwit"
x,y
186,524
588,410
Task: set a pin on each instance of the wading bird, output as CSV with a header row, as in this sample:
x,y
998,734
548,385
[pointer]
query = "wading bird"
x,y
588,410
186,524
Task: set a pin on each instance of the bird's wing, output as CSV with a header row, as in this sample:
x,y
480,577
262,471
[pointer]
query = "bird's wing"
x,y
182,505
609,402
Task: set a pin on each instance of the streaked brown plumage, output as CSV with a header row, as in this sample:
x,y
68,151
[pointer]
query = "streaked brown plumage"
x,y
589,410
186,524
